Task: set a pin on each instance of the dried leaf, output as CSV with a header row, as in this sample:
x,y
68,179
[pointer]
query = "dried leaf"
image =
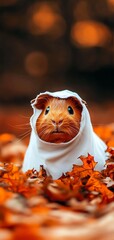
x,y
33,205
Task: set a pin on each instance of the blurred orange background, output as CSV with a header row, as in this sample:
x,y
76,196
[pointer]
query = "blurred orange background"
x,y
55,45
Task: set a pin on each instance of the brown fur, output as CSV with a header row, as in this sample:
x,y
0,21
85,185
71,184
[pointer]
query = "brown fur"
x,y
58,125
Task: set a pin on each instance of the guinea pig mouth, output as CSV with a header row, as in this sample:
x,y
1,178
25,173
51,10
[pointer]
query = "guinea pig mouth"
x,y
57,131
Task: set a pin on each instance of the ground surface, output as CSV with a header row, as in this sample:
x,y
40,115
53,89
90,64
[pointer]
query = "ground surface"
x,y
79,205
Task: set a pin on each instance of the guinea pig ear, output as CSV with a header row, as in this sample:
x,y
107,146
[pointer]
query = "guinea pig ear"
x,y
42,100
76,102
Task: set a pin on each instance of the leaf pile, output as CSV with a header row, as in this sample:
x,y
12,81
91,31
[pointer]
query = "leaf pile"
x,y
33,206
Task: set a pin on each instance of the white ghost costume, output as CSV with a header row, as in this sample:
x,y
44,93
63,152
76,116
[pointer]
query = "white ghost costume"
x,y
58,158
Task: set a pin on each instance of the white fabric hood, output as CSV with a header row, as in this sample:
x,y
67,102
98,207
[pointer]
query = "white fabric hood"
x,y
59,158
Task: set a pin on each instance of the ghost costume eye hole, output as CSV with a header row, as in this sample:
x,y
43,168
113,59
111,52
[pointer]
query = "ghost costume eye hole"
x,y
70,110
47,110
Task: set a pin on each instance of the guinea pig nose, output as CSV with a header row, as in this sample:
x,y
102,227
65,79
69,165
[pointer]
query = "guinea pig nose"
x,y
57,122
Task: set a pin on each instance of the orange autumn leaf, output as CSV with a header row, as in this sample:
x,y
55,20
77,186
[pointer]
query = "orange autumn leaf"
x,y
88,162
6,137
4,195
85,169
56,193
31,200
110,143
25,232
106,133
96,185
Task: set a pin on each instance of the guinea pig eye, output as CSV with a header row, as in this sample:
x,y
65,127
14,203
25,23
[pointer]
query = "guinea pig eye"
x,y
70,110
47,110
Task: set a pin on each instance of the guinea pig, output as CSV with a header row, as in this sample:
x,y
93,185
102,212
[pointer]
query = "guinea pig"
x,y
59,120
61,132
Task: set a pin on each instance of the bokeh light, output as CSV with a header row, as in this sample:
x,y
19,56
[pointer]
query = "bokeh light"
x,y
36,64
111,3
45,19
49,45
90,34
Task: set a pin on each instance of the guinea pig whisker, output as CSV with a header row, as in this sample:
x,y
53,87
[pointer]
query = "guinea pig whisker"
x,y
23,136
24,127
27,132
20,126
47,131
23,124
43,131
72,129
25,117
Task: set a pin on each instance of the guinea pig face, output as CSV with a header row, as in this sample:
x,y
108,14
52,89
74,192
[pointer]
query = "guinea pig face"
x,y
60,118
